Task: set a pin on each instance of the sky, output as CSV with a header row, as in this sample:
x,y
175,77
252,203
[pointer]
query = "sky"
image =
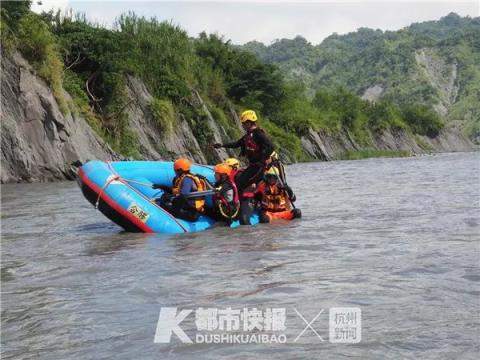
x,y
268,20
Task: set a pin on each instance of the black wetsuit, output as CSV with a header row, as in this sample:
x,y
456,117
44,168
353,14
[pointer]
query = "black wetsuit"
x,y
257,148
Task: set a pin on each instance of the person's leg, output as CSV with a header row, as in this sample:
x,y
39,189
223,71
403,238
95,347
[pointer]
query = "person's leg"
x,y
246,210
187,214
213,213
181,209
165,202
251,175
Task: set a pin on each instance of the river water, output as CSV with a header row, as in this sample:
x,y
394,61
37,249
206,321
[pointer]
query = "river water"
x,y
397,239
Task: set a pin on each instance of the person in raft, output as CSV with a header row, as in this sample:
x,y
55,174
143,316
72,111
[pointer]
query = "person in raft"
x,y
247,204
227,203
174,200
256,146
276,199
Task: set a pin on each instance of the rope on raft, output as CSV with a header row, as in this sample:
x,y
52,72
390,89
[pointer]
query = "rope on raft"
x,y
117,177
103,189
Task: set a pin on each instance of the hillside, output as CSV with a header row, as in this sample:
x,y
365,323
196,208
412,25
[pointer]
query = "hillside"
x,y
436,63
72,90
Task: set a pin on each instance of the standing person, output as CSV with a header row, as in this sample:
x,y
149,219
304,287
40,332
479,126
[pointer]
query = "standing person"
x,y
184,183
256,146
276,199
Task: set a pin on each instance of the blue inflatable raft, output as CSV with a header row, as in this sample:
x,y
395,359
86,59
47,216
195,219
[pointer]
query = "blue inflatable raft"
x,y
122,192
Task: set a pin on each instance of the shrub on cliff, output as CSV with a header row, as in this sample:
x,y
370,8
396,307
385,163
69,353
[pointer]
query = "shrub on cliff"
x,y
163,113
423,120
34,39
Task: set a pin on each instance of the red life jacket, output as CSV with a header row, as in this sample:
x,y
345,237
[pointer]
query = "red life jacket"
x,y
232,175
228,209
250,146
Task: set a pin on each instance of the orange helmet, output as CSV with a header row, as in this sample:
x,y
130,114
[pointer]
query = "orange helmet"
x,y
222,169
182,164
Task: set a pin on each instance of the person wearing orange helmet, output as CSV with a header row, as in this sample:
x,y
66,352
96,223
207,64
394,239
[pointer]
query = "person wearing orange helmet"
x,y
247,205
184,183
256,146
226,197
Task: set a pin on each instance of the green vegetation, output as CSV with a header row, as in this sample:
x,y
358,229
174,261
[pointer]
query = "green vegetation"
x,y
373,153
11,13
73,84
422,120
232,131
163,113
288,143
434,63
30,34
95,65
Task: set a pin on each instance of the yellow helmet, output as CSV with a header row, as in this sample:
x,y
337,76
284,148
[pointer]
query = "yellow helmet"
x,y
233,163
248,115
273,171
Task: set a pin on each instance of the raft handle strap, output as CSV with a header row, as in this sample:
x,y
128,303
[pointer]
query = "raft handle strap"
x,y
113,178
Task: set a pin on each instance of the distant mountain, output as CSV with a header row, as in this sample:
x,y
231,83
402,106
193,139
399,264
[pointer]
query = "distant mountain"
x,y
435,62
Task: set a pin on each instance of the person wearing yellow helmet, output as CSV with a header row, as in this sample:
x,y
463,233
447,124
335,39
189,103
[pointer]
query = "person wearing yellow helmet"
x,y
233,163
247,205
174,199
226,196
276,198
255,145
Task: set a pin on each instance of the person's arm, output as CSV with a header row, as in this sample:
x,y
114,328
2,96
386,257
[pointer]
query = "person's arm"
x,y
165,188
188,186
232,145
264,141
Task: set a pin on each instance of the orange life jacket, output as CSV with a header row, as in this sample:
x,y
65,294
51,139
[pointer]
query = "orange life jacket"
x,y
199,203
274,198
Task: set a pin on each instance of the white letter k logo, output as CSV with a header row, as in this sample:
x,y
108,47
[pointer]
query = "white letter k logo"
x,y
168,323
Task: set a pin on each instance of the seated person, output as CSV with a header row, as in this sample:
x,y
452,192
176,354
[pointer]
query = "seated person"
x,y
184,183
275,198
226,199
246,196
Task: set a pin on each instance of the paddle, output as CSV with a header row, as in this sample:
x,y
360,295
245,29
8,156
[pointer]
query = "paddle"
x,y
195,194
200,194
